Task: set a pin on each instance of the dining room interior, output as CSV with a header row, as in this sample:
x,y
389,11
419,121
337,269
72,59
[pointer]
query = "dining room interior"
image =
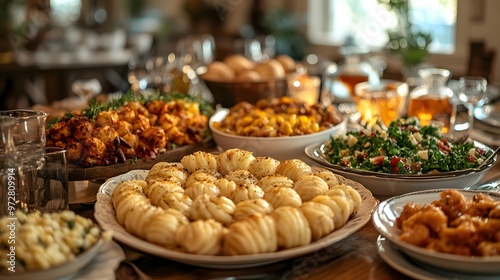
x,y
257,139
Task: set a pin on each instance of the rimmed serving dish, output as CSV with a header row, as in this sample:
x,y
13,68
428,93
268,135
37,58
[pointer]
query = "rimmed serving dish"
x,y
384,219
105,216
385,184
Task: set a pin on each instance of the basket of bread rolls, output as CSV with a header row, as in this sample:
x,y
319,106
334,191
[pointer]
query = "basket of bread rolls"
x,y
237,78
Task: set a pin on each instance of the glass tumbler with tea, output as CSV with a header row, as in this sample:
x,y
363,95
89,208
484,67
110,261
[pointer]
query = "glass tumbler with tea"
x,y
433,100
385,100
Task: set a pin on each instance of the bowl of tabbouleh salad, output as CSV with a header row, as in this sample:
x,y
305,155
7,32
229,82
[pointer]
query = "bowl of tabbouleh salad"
x,y
404,157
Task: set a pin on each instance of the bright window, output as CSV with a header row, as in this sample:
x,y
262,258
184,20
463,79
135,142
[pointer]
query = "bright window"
x,y
365,22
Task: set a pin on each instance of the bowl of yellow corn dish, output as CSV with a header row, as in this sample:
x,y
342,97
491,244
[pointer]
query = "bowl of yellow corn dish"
x,y
277,127
47,245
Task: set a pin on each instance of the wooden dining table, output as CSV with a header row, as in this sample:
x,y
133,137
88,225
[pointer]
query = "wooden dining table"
x,y
354,257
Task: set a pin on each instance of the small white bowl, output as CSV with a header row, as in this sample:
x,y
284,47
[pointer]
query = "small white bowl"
x,y
280,148
384,219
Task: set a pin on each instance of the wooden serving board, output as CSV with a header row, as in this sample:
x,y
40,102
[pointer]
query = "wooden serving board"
x,y
78,173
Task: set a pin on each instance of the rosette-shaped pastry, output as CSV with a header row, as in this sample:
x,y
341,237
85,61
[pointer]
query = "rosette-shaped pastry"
x,y
328,176
281,196
292,227
127,204
199,188
320,218
226,187
263,166
241,177
246,192
162,229
126,188
293,168
252,206
219,208
156,190
202,175
139,216
178,201
254,234
202,237
340,206
272,181
347,191
309,186
167,171
234,159
199,160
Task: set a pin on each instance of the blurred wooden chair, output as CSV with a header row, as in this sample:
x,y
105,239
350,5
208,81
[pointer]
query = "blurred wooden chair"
x,y
481,60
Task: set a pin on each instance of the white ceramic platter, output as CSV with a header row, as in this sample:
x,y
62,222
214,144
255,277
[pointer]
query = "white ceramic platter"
x,y
386,185
384,219
397,260
105,216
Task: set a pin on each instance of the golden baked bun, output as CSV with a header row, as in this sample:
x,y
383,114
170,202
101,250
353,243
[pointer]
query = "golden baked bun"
x,y
238,63
218,71
287,62
248,76
270,69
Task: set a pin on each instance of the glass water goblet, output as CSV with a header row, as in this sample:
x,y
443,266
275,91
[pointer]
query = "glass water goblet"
x,y
140,72
472,92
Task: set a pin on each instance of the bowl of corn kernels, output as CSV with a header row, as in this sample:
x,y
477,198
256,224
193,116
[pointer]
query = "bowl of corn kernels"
x,y
277,127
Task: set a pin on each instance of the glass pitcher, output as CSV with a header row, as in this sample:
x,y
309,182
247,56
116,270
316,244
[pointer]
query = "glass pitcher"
x,y
433,99
339,84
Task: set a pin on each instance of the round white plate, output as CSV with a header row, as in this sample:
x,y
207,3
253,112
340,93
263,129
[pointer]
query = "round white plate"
x,y
105,216
384,219
489,114
397,260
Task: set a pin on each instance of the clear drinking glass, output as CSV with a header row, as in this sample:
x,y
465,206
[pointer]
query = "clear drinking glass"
x,y
140,72
472,91
29,141
51,182
8,167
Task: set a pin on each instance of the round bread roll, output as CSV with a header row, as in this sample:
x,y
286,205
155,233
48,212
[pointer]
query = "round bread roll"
x,y
270,69
287,62
218,71
238,63
248,76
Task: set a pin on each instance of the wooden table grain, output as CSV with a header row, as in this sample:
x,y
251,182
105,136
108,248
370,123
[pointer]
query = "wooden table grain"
x,y
355,257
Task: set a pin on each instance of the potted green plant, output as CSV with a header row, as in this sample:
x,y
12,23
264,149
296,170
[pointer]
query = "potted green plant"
x,y
409,44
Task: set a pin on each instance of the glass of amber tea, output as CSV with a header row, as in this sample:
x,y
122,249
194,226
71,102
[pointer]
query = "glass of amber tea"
x,y
385,100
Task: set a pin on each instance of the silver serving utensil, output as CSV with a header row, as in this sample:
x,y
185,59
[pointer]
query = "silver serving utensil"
x,y
488,186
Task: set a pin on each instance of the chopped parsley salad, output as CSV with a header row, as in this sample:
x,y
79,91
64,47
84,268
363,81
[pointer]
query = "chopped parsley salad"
x,y
404,147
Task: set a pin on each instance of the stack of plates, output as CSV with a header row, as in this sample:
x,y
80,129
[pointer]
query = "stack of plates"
x,y
488,118
421,263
